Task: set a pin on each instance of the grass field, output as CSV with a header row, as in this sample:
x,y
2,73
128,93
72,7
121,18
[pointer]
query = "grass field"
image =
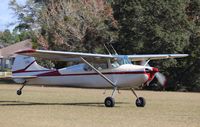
x,y
63,107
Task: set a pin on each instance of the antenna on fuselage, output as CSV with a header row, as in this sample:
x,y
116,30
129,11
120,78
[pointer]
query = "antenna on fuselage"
x,y
113,49
107,49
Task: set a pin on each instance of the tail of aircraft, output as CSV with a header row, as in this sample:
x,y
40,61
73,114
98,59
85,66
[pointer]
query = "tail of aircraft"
x,y
26,65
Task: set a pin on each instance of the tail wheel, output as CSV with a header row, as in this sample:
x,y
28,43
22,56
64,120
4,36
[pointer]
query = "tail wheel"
x,y
140,102
19,92
109,102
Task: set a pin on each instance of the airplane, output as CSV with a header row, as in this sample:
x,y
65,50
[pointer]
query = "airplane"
x,y
100,71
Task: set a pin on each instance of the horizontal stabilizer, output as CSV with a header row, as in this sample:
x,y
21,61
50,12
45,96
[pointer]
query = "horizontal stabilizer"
x,y
19,77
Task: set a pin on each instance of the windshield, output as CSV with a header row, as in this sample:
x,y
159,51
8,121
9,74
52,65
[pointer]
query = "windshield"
x,y
121,61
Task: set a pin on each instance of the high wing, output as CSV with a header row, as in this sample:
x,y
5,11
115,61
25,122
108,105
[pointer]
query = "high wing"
x,y
75,56
61,55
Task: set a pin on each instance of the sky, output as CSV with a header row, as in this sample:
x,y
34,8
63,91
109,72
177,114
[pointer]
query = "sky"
x,y
7,15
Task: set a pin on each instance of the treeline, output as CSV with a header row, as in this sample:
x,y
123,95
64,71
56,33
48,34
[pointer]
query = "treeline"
x,y
132,26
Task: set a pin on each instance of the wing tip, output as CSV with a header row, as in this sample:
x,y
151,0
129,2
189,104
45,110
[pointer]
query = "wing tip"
x,y
182,55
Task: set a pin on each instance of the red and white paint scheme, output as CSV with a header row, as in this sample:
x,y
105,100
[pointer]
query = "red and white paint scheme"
x,y
93,71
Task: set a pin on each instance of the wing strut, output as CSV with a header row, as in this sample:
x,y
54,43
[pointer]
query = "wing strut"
x,y
146,63
102,75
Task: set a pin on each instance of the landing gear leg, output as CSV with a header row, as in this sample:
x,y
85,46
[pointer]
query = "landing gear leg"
x,y
19,92
140,101
110,101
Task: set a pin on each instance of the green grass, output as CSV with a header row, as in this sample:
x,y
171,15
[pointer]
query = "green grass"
x,y
63,107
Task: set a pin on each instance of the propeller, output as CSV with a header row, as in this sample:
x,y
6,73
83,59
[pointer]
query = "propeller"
x,y
159,76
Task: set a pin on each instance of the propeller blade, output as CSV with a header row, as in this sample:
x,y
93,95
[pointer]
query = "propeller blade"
x,y
161,78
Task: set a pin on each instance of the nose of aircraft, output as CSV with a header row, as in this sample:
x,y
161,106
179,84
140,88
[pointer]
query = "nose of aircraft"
x,y
155,69
151,71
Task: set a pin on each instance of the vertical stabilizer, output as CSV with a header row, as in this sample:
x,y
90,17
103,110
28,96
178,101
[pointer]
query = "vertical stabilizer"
x,y
26,65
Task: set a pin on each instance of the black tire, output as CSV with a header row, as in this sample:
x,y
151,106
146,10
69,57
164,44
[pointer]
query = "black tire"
x,y
19,92
140,102
109,102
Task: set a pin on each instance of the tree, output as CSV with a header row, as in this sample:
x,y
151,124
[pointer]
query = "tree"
x,y
191,73
74,25
159,26
6,37
68,25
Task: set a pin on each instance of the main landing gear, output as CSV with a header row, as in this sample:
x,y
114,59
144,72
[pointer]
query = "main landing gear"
x,y
110,101
19,92
140,101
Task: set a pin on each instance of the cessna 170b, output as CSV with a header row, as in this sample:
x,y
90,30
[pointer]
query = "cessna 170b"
x,y
94,71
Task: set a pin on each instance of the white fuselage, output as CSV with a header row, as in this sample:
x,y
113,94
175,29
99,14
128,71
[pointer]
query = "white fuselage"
x,y
120,74
123,76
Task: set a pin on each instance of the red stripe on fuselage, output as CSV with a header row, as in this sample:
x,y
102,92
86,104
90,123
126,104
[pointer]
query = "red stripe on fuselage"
x,y
24,71
56,73
52,73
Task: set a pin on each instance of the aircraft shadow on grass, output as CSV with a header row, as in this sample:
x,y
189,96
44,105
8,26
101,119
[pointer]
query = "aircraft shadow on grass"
x,y
23,103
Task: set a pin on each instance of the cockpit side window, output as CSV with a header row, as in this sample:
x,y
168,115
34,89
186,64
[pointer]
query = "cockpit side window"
x,y
111,63
115,64
101,66
87,68
120,61
98,66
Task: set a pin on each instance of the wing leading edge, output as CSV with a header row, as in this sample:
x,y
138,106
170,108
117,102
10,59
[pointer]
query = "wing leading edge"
x,y
155,56
75,56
